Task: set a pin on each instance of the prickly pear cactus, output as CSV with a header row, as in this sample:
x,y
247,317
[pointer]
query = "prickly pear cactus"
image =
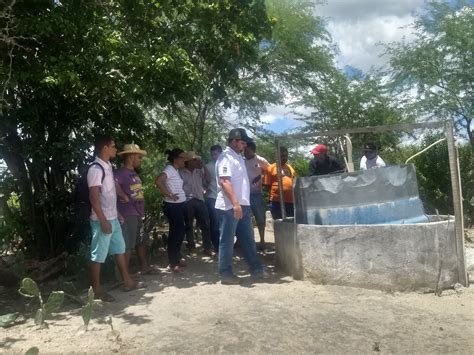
x,y
29,288
55,300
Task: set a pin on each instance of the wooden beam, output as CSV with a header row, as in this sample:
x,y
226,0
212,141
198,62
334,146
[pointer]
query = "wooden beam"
x,y
372,129
457,203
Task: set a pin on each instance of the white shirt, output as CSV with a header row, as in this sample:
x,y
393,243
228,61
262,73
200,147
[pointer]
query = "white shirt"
x,y
107,195
231,164
374,163
255,167
174,184
212,186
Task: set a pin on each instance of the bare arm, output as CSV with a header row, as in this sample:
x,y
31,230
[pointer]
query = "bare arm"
x,y
94,197
120,193
160,184
226,185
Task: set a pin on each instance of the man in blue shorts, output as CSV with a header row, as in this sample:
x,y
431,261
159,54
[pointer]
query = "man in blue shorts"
x,y
107,236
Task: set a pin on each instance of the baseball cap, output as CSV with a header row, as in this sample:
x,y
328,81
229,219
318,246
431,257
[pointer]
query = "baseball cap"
x,y
239,133
369,146
320,148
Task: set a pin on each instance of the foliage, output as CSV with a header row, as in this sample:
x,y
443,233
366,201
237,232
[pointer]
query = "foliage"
x,y
438,64
116,60
343,102
8,319
30,289
89,307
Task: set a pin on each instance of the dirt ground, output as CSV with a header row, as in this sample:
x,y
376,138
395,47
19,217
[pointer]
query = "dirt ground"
x,y
193,313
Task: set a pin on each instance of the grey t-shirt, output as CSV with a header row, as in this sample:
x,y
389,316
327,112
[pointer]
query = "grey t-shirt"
x,y
212,186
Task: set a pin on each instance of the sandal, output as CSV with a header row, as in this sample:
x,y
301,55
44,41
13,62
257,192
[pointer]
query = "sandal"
x,y
104,297
137,286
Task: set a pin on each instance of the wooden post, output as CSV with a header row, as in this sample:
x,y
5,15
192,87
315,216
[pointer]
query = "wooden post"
x,y
457,202
280,181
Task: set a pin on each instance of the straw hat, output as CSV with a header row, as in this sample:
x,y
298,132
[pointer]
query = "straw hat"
x,y
191,155
132,149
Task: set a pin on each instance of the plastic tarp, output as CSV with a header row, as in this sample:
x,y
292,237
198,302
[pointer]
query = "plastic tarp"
x,y
386,195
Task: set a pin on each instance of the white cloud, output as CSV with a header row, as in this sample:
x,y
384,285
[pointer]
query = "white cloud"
x,y
358,26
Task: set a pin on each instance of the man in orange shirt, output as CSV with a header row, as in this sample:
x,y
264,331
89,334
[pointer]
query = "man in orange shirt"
x,y
271,182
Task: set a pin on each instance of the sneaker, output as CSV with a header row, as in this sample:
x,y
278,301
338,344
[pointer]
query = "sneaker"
x,y
176,269
233,280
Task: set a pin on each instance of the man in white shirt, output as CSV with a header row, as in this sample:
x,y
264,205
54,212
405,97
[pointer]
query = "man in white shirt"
x,y
371,160
211,195
107,238
256,166
233,209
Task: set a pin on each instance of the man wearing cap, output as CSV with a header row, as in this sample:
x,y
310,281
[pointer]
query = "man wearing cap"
x,y
233,209
131,205
371,159
323,163
194,179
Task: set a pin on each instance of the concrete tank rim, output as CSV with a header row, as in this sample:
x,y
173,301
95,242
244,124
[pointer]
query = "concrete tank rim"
x,y
446,219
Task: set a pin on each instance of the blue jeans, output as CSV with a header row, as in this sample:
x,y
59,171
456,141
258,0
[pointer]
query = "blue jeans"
x,y
211,209
228,228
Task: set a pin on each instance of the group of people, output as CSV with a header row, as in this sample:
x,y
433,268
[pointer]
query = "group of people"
x,y
220,196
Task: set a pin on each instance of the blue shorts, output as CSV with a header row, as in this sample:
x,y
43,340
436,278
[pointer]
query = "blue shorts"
x,y
106,244
258,209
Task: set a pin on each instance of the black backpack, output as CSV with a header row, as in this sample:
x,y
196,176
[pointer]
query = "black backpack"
x,y
82,204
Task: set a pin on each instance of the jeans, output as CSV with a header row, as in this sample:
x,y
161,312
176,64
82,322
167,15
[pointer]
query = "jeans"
x,y
229,227
175,212
214,223
196,208
275,209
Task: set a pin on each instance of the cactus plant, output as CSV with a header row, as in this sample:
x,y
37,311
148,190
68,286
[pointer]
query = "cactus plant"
x,y
89,307
29,288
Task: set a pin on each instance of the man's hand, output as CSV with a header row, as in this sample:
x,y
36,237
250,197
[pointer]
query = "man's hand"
x,y
121,219
106,227
124,198
256,180
238,214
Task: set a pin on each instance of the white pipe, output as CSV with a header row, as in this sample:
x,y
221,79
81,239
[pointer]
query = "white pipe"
x,y
424,150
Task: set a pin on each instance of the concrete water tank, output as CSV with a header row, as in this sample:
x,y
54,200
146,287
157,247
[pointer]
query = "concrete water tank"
x,y
367,229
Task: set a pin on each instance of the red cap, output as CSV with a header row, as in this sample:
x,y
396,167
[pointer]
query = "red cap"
x,y
320,148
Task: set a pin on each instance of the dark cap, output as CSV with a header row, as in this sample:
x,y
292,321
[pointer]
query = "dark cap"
x,y
239,133
369,146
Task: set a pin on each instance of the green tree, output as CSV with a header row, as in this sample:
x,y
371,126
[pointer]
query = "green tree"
x,y
85,67
344,102
439,65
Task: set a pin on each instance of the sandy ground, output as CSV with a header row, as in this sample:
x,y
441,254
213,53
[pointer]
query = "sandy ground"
x,y
193,313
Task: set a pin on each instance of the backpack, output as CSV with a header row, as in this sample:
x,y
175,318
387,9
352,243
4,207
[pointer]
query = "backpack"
x,y
82,204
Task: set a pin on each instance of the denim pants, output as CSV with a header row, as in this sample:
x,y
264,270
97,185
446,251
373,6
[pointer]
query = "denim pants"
x,y
211,209
275,209
175,212
243,228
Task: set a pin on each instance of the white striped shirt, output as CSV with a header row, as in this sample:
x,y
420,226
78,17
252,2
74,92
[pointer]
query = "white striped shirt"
x,y
174,183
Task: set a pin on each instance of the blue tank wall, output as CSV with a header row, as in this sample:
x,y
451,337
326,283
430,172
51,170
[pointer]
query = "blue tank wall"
x,y
379,196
